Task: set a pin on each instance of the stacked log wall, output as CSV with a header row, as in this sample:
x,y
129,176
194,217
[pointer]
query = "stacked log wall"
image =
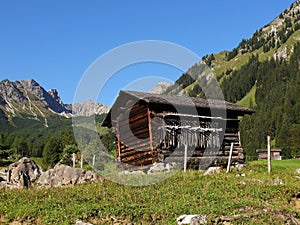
x,y
134,137
141,145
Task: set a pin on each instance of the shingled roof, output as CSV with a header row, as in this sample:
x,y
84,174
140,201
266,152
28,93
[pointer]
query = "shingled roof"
x,y
172,100
185,101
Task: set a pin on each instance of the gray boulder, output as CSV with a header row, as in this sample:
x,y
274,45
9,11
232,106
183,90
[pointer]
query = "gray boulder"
x,y
63,175
157,168
20,174
162,167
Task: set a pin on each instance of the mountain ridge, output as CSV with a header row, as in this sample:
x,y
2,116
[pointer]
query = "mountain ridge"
x,y
274,40
262,73
28,97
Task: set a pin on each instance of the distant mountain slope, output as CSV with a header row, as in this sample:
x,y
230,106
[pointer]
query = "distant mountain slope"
x,y
160,88
263,73
275,40
32,118
28,98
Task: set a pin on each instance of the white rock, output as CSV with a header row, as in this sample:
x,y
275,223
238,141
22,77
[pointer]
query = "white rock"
x,y
192,219
239,167
278,181
212,170
79,222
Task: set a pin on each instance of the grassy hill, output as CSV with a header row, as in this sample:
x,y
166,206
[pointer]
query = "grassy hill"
x,y
256,197
262,73
276,40
249,100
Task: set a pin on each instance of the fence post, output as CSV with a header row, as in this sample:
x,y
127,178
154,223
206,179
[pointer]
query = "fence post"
x,y
229,159
94,158
74,159
185,158
269,154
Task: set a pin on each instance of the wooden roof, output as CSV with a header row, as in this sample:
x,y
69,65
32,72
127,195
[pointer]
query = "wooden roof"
x,y
266,150
185,101
173,100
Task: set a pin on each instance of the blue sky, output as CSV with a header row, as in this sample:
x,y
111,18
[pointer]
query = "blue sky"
x,y
54,42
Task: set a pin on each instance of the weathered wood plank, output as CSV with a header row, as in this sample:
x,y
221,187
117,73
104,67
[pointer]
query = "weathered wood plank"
x,y
136,147
136,157
125,155
128,136
128,120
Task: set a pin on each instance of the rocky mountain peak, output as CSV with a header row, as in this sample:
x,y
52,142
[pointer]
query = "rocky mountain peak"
x,y
54,94
88,108
9,90
28,97
160,88
29,84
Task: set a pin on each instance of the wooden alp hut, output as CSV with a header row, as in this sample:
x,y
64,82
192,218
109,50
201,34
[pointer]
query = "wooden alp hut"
x,y
152,128
263,154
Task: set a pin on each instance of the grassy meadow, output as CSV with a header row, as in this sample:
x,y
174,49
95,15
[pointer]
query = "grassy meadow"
x,y
255,197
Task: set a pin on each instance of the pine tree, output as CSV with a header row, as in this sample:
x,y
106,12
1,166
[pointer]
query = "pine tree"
x,y
52,151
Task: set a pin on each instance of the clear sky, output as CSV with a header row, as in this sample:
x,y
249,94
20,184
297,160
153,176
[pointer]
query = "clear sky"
x,y
54,42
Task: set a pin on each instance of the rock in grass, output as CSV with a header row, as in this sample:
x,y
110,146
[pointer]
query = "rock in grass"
x,y
297,171
192,219
212,170
239,167
278,181
63,175
20,174
157,168
79,222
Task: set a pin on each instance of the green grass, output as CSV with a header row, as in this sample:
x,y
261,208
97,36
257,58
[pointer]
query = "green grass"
x,y
280,166
162,203
250,97
221,65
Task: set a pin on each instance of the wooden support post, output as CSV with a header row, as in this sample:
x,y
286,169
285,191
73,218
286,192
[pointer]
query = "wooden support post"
x,y
269,154
81,161
229,158
118,141
185,158
150,133
239,137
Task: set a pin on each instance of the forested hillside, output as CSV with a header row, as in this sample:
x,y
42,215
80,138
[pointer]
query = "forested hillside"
x,y
278,104
36,123
262,73
26,137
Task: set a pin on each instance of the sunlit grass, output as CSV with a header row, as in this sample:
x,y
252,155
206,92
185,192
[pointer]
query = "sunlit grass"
x,y
163,202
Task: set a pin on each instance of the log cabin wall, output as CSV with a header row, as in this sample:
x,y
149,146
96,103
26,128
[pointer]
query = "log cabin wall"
x,y
134,136
204,136
149,129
